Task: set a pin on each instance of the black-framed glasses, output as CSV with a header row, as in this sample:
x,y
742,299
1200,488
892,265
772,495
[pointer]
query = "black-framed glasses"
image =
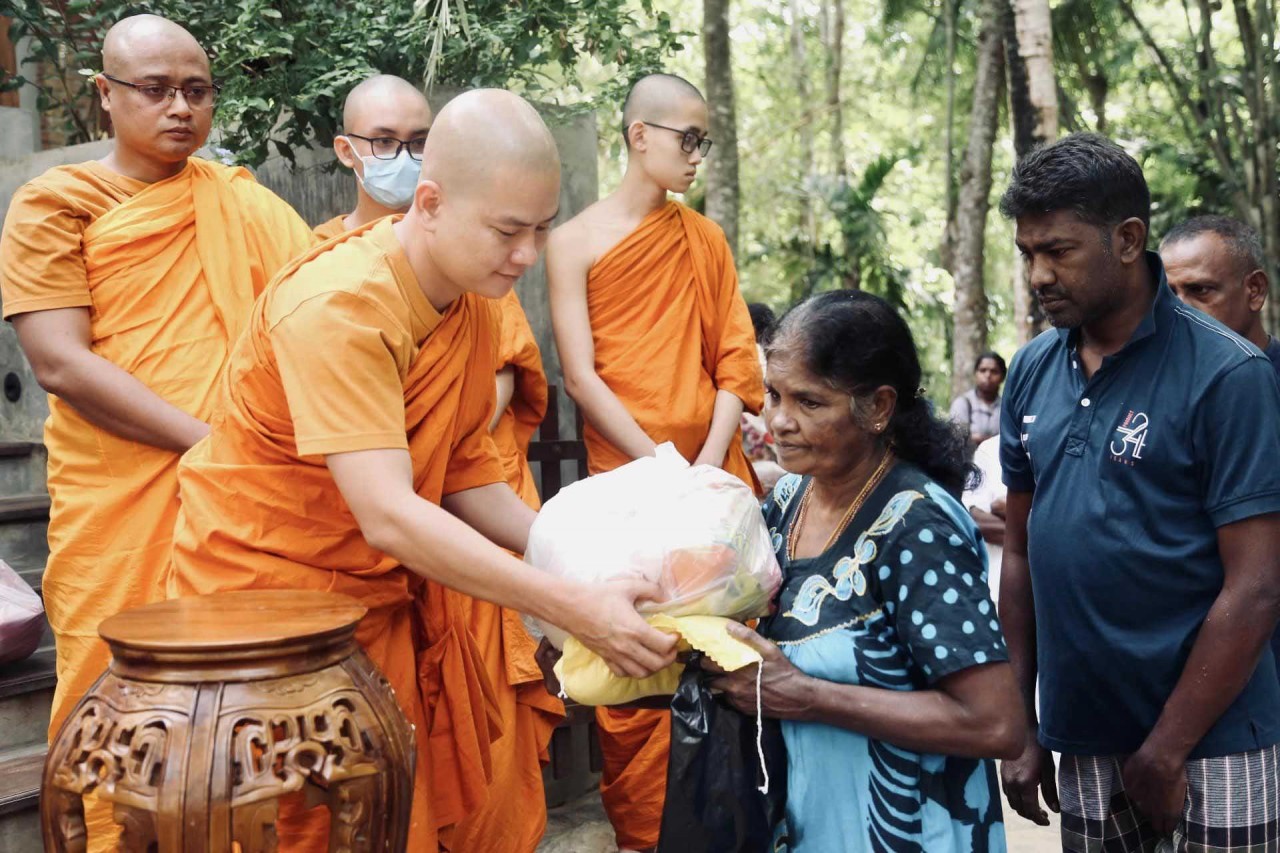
x,y
689,140
199,96
388,147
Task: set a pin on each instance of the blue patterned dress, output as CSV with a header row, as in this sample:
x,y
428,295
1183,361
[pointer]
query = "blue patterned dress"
x,y
899,601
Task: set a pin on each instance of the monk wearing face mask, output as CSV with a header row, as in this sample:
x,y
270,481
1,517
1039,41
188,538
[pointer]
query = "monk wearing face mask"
x,y
385,120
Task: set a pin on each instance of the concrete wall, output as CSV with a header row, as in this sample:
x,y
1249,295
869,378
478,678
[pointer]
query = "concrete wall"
x,y
317,193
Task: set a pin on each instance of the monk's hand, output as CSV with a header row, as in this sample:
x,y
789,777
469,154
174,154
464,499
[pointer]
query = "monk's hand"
x,y
547,656
1156,783
607,623
785,692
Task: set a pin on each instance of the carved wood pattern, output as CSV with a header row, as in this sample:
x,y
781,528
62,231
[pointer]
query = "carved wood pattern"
x,y
335,734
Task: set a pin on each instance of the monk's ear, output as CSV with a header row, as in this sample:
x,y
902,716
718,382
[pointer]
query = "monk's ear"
x,y
104,91
636,133
343,151
427,199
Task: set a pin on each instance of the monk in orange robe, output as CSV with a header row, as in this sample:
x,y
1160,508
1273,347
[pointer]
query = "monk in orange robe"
x,y
657,345
513,816
385,120
127,279
351,452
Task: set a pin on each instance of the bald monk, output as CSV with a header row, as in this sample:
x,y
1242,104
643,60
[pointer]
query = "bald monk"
x,y
385,120
127,279
657,345
351,452
513,816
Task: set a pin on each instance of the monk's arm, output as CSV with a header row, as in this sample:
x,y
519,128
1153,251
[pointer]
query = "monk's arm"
x,y
496,512
378,487
567,281
506,381
57,343
726,418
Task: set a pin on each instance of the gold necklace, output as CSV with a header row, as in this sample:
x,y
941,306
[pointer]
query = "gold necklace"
x,y
802,514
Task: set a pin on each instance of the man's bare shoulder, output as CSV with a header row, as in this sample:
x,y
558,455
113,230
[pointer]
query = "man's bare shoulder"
x,y
588,237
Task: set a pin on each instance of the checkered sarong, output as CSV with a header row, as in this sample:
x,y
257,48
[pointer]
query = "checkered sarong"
x,y
1233,806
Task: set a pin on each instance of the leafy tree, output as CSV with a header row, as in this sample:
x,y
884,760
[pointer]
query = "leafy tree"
x,y
285,65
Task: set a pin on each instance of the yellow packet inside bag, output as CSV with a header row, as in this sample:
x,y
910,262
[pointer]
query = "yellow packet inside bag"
x,y
587,679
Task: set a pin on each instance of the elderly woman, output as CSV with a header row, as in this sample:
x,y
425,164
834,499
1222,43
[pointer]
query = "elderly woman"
x,y
884,659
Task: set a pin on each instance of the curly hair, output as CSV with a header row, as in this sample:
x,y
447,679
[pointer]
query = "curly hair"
x,y
856,342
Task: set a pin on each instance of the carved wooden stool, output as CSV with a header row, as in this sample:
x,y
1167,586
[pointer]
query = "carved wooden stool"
x,y
216,706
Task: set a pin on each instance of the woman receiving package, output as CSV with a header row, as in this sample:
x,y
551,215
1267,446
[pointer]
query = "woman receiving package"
x,y
884,659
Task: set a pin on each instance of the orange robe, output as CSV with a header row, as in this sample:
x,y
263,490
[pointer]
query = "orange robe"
x,y
513,816
670,329
331,228
345,353
169,272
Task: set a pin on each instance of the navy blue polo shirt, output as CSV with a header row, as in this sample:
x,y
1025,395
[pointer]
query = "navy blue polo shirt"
x,y
1133,471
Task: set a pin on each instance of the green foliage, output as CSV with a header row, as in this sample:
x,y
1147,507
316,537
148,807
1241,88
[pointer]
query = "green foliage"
x,y
286,65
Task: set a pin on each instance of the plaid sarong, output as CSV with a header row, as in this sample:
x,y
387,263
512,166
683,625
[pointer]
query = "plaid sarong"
x,y
1233,806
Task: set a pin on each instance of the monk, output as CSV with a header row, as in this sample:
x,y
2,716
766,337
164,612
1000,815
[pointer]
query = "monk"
x,y
127,279
657,345
513,816
351,452
385,120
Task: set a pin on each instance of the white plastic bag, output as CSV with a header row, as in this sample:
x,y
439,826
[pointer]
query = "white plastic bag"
x,y
696,531
21,616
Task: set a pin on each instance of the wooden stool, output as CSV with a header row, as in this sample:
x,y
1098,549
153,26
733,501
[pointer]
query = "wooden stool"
x,y
216,706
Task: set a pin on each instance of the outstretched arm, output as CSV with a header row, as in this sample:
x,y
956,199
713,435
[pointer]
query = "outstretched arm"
x,y
567,269
378,487
57,343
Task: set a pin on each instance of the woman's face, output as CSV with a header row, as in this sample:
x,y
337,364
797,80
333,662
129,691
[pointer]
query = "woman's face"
x,y
988,376
813,427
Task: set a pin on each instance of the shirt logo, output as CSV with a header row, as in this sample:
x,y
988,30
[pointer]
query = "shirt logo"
x,y
1131,438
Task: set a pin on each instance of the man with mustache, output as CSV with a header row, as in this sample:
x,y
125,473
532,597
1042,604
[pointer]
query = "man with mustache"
x,y
127,279
1141,575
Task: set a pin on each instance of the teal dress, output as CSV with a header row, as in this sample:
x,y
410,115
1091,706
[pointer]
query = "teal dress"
x,y
898,602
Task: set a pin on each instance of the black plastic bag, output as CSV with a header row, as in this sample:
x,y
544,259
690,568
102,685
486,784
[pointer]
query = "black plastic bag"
x,y
713,800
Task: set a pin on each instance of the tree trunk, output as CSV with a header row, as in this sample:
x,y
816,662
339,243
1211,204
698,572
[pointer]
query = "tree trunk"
x,y
805,222
722,166
833,40
968,226
1033,112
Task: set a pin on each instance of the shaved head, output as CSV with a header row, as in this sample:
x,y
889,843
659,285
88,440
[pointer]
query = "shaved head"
x,y
383,95
485,133
137,41
654,97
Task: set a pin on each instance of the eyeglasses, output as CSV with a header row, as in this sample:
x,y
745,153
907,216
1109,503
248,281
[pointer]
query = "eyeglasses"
x,y
388,147
689,140
199,96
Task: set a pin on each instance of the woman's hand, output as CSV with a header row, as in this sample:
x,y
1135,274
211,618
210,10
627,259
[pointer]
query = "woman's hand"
x,y
785,692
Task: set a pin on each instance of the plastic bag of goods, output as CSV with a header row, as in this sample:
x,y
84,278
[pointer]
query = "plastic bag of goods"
x,y
696,531
21,616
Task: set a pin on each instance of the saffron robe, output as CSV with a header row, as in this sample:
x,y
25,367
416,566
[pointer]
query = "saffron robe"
x,y
331,228
670,329
345,353
168,272
513,817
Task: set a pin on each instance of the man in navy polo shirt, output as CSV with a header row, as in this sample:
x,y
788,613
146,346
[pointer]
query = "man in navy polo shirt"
x,y
1215,264
1141,577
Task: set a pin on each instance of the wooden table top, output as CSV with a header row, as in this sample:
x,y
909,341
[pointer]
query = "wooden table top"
x,y
224,621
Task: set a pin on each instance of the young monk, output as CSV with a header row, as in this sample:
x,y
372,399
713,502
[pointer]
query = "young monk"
x,y
529,713
656,345
351,452
385,120
126,280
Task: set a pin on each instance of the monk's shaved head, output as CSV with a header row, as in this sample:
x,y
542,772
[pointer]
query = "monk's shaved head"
x,y
653,97
483,133
134,42
381,95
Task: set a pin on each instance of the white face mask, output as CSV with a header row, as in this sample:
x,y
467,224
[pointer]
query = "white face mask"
x,y
391,183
